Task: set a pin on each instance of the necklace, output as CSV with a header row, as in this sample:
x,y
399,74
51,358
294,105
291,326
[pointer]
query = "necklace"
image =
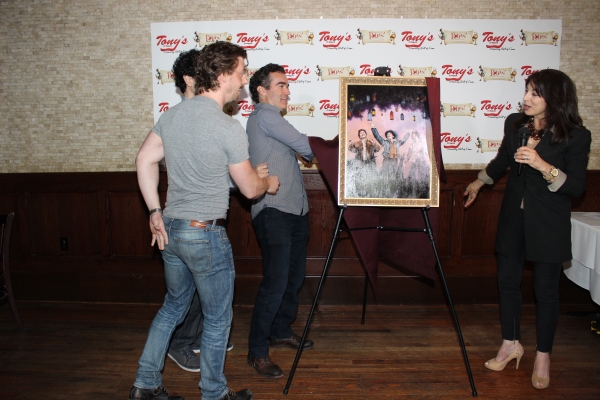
x,y
535,134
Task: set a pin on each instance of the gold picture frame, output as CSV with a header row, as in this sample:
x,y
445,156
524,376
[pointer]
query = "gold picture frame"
x,y
386,146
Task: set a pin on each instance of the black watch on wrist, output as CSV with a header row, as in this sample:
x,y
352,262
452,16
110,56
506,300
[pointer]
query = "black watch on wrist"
x,y
156,210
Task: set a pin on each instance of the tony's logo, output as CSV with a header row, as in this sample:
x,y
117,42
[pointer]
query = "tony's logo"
x,y
245,108
365,69
330,40
493,110
527,70
294,73
250,42
455,74
329,109
453,142
167,44
162,107
496,41
413,41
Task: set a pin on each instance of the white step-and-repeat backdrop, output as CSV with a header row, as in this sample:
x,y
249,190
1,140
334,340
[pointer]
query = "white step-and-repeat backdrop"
x,y
482,65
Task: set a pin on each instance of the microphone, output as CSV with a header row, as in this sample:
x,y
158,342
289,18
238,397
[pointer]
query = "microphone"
x,y
523,137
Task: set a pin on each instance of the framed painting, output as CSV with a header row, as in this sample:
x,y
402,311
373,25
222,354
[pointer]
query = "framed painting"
x,y
386,146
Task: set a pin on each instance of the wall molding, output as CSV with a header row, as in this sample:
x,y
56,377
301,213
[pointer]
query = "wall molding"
x,y
109,259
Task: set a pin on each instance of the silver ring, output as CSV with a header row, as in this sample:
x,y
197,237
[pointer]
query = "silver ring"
x,y
525,158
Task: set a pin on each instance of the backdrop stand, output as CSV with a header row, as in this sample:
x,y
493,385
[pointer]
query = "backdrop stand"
x,y
336,232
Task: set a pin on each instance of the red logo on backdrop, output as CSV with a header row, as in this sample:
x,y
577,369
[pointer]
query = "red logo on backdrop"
x,y
292,108
417,71
415,41
365,69
458,108
376,35
162,107
329,109
167,44
336,72
539,36
527,70
211,38
294,73
496,41
458,35
494,144
330,40
293,35
245,108
455,74
453,142
493,110
250,42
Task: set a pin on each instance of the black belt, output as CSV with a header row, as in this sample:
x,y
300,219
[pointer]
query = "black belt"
x,y
202,224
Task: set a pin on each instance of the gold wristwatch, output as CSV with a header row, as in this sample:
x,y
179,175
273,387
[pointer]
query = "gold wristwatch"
x,y
552,174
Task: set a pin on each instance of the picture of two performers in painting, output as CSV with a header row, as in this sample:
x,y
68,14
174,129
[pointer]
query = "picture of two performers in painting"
x,y
388,151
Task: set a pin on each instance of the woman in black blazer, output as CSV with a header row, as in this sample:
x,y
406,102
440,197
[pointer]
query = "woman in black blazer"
x,y
547,149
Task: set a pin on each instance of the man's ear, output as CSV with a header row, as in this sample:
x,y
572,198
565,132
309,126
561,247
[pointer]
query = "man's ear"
x,y
261,91
222,78
189,81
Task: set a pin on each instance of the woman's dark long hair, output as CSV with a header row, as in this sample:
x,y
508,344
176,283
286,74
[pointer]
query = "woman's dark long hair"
x,y
559,92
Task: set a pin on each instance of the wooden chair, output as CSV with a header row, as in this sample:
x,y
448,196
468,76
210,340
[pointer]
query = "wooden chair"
x,y
6,223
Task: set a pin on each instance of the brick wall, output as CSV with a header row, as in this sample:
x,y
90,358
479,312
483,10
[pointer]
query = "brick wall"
x,y
76,87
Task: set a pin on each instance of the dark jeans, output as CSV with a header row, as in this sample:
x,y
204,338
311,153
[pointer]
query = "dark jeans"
x,y
283,239
189,333
545,282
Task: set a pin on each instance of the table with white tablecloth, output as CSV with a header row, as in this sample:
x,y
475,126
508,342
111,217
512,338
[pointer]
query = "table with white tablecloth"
x,y
584,268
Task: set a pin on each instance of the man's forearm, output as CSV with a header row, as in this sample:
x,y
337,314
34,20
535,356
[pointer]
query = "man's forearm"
x,y
148,178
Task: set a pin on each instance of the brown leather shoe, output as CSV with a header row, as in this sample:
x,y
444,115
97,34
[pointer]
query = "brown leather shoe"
x,y
292,342
265,366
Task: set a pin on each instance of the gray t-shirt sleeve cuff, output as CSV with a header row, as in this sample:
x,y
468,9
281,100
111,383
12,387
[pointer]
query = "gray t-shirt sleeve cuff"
x,y
484,177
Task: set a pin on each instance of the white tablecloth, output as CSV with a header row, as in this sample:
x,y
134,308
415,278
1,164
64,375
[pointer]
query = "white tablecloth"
x,y
584,269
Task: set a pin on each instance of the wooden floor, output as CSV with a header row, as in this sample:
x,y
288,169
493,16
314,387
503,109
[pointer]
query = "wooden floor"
x,y
90,351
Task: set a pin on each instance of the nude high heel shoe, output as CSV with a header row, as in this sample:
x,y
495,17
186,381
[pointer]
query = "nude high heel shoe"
x,y
499,366
539,383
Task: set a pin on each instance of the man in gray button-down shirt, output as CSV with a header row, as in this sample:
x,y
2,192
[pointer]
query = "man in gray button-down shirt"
x,y
280,221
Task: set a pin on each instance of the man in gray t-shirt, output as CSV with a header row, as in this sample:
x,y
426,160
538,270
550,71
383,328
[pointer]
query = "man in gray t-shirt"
x,y
202,146
185,341
280,221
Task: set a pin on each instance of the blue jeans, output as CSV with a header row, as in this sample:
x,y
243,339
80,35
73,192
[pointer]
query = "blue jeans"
x,y
194,259
283,239
189,333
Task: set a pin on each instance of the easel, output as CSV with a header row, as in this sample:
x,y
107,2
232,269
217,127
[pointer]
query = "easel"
x,y
426,230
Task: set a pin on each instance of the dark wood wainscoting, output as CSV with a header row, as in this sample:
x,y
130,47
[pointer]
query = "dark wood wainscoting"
x,y
85,237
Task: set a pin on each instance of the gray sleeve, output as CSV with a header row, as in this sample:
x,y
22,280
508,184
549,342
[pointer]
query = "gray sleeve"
x,y
157,127
235,143
558,182
485,177
281,130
